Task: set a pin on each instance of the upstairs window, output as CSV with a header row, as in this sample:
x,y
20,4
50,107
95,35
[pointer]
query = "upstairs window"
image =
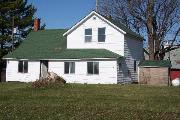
x,y
23,67
101,34
69,68
93,67
88,35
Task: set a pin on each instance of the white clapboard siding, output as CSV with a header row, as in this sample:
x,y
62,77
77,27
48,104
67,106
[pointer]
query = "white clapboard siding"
x,y
107,72
114,39
133,50
13,75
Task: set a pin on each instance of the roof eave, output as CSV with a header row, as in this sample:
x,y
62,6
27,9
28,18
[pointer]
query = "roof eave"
x,y
154,66
113,58
8,58
138,37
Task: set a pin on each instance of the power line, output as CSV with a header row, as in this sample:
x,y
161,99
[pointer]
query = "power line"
x,y
97,3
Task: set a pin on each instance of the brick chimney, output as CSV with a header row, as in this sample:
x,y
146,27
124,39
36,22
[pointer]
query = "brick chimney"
x,y
36,24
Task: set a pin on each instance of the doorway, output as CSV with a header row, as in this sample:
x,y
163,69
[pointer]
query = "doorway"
x,y
44,65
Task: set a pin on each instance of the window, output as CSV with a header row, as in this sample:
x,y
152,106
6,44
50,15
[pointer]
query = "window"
x,y
88,35
23,67
120,66
134,65
129,73
69,67
93,67
101,34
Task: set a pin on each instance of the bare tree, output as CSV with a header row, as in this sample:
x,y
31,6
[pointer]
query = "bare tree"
x,y
157,20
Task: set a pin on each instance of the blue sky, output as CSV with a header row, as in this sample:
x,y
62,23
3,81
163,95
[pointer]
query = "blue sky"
x,y
62,13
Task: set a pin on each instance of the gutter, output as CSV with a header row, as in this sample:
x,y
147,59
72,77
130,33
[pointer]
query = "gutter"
x,y
64,59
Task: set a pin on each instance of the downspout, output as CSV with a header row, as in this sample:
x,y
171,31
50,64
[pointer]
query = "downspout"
x,y
40,70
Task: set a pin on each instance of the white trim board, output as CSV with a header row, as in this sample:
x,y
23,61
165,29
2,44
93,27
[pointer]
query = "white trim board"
x,y
87,17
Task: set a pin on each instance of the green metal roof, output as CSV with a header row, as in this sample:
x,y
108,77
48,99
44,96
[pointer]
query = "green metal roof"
x,y
88,53
126,29
155,63
51,44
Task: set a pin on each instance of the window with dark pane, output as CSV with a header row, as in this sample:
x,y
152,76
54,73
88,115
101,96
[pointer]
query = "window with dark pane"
x,y
69,67
93,67
66,68
101,34
72,67
96,68
90,67
20,66
135,68
23,67
120,66
88,35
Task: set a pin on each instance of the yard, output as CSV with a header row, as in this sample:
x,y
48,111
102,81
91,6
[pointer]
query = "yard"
x,y
73,101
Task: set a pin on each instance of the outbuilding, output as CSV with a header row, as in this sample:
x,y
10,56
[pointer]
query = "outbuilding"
x,y
154,72
174,57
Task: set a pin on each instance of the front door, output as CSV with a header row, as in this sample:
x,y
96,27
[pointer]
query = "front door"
x,y
44,68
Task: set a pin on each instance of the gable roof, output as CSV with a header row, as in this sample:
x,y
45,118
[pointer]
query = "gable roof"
x,y
51,44
128,31
155,63
114,23
89,16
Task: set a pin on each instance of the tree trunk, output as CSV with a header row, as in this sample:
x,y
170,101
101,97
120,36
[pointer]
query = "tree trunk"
x,y
0,70
2,44
151,30
151,41
151,47
157,49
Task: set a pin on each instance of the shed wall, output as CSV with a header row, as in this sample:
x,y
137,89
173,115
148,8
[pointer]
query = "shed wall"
x,y
154,76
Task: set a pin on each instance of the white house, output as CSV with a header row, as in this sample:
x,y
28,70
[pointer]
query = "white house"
x,y
95,50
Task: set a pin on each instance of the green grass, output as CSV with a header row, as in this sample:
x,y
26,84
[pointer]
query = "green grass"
x,y
73,101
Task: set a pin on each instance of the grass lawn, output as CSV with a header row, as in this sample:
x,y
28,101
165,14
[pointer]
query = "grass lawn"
x,y
73,101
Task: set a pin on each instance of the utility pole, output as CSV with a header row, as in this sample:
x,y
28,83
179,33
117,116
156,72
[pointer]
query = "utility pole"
x,y
12,33
97,3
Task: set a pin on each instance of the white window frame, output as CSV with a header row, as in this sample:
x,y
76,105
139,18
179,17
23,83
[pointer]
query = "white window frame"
x,y
93,69
87,35
23,66
102,35
70,65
